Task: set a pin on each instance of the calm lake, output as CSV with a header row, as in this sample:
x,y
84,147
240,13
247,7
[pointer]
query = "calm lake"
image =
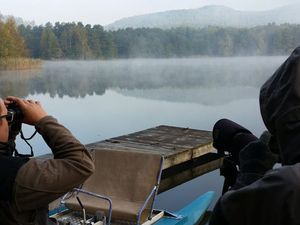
x,y
97,100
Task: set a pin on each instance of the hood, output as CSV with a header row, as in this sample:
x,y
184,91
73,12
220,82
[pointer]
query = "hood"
x,y
280,107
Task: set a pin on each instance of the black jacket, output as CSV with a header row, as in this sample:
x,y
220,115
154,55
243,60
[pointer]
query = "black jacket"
x,y
273,199
9,167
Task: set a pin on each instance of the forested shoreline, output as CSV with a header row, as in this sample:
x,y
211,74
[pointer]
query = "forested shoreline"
x,y
78,41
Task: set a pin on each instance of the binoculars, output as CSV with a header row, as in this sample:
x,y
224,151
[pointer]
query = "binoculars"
x,y
14,113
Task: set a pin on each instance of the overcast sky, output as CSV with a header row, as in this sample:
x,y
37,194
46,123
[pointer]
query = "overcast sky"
x,y
107,11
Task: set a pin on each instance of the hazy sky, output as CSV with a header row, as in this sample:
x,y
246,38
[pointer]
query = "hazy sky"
x,y
107,11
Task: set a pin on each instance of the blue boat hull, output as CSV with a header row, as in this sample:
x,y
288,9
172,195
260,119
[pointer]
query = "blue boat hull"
x,y
191,213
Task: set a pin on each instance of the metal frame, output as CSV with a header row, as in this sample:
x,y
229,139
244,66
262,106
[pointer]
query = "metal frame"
x,y
172,215
153,192
145,204
97,196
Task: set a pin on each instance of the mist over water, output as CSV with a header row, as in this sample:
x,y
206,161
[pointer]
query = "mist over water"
x,y
97,100
85,78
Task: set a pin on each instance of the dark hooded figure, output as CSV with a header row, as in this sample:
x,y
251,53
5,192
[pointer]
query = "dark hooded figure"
x,y
262,195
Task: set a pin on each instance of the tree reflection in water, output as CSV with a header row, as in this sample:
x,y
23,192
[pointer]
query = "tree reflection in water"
x,y
165,79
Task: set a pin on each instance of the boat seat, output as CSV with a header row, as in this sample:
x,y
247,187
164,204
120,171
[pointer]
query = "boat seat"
x,y
127,178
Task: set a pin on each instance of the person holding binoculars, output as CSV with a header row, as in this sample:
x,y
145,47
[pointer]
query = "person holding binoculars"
x,y
28,185
261,195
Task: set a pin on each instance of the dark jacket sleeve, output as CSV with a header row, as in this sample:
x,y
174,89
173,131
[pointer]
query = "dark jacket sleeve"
x,y
217,217
39,182
271,200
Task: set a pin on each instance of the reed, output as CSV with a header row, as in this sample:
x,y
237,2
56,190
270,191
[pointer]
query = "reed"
x,y
19,63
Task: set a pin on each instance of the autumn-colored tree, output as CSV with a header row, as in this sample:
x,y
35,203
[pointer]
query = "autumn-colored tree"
x,y
11,42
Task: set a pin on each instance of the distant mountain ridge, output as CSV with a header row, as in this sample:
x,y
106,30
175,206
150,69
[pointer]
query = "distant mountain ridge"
x,y
210,16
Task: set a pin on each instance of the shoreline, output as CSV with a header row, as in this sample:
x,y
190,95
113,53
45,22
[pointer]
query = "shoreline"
x,y
21,63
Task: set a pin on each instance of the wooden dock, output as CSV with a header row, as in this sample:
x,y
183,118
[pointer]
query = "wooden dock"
x,y
188,153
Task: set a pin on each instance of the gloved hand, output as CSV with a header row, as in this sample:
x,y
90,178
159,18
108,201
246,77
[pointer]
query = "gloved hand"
x,y
231,137
255,160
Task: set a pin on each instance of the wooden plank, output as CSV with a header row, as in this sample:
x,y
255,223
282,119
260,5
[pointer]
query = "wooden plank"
x,y
171,138
168,136
176,145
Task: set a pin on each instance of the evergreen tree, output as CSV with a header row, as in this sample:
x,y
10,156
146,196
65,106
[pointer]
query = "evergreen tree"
x,y
76,41
49,46
95,36
80,48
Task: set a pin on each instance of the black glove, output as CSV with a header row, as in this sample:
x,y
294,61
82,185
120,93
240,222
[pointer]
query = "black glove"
x,y
255,160
231,137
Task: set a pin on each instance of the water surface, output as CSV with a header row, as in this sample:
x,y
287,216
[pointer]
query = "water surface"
x,y
97,100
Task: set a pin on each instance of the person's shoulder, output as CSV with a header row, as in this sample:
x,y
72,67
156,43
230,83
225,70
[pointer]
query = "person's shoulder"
x,y
289,175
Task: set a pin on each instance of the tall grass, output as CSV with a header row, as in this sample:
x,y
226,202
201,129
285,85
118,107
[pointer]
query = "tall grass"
x,y
19,63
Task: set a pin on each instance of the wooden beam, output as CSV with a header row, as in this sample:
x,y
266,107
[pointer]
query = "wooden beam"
x,y
189,170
